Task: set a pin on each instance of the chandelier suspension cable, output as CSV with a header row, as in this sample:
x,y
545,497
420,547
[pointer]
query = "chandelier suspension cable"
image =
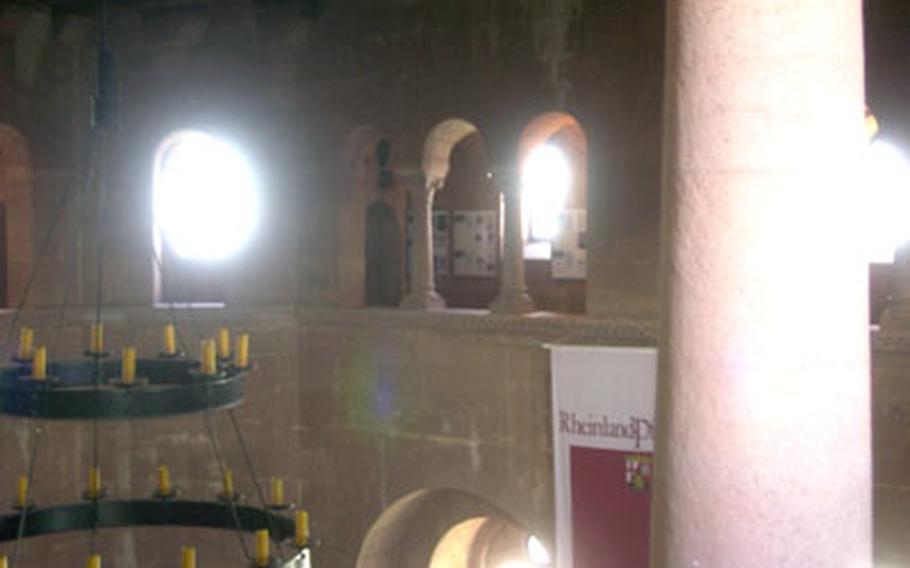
x,y
29,476
103,121
70,259
46,240
260,494
232,503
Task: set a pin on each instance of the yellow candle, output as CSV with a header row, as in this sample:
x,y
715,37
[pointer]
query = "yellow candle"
x,y
94,482
128,366
277,491
4,563
94,561
242,357
97,345
189,557
209,366
262,547
301,528
22,491
228,482
164,480
26,342
170,340
224,343
39,363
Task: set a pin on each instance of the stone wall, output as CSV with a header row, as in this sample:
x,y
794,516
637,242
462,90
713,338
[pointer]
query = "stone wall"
x,y
356,408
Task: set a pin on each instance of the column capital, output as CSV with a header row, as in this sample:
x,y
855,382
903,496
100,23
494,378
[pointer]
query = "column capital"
x,y
415,180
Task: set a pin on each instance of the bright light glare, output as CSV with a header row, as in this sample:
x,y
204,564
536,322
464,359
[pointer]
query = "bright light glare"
x,y
545,180
205,202
537,552
516,564
887,179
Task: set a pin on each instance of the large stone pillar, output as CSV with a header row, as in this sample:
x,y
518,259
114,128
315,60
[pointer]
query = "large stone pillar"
x,y
422,293
512,297
763,446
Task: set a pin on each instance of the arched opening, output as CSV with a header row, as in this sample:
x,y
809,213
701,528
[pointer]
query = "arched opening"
x,y
464,219
361,173
205,209
552,159
15,215
383,257
446,528
466,228
485,542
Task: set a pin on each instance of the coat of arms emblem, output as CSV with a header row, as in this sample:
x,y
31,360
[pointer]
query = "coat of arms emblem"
x,y
638,471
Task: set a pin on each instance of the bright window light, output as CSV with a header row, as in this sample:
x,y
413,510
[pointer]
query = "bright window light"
x,y
887,180
537,552
545,180
205,203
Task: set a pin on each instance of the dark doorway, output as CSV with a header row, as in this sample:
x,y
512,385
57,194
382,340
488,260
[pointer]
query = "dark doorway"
x,y
383,256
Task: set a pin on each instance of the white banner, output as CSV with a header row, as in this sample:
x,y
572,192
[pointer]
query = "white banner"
x,y
603,441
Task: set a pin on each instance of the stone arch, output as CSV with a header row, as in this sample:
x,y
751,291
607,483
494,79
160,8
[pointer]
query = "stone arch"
x,y
360,183
437,148
565,130
16,199
442,528
551,284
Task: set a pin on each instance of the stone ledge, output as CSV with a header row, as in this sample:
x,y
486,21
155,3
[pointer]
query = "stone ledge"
x,y
538,327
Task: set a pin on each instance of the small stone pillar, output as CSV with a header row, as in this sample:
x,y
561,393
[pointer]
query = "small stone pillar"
x,y
895,320
763,407
512,297
422,293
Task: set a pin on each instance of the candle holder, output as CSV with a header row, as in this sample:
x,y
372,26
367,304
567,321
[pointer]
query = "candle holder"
x,y
29,506
93,388
234,497
171,494
178,354
92,497
50,381
277,507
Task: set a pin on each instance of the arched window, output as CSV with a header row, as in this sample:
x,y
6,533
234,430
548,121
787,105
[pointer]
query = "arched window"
x,y
465,215
205,210
552,157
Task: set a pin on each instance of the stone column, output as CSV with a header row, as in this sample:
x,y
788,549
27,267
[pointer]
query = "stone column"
x,y
895,320
763,443
422,293
512,297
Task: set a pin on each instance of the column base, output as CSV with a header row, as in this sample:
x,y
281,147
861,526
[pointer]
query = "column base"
x,y
512,302
423,300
